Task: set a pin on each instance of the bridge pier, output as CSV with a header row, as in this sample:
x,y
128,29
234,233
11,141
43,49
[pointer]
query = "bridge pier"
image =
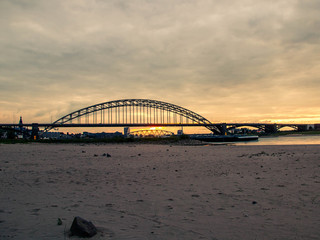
x,y
271,128
302,128
35,131
223,128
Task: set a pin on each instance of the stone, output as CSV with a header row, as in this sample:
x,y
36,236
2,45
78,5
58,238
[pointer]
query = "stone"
x,y
59,222
82,228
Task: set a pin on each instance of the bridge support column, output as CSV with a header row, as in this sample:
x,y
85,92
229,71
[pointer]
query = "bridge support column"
x,y
223,129
126,131
35,131
271,128
302,128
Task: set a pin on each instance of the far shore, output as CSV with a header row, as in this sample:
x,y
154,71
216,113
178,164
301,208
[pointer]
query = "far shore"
x,y
184,139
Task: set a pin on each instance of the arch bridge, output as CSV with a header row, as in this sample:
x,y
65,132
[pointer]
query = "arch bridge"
x,y
144,113
267,127
134,113
151,133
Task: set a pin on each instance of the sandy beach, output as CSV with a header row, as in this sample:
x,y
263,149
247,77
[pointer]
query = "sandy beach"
x,y
146,191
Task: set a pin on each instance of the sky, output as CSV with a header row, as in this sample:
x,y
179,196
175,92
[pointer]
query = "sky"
x,y
229,61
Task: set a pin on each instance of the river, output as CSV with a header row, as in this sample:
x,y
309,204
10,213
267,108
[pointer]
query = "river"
x,y
284,140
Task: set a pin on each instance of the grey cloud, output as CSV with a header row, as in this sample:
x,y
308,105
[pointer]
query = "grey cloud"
x,y
159,49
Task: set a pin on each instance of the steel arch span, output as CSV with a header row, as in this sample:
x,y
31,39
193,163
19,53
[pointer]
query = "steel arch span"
x,y
154,133
133,112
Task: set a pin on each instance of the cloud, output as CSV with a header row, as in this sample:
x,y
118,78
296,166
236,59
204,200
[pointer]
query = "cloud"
x,y
211,55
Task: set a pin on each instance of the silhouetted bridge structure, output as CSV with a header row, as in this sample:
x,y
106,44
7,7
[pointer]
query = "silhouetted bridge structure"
x,y
144,113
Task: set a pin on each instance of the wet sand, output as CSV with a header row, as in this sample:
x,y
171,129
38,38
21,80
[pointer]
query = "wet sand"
x,y
160,191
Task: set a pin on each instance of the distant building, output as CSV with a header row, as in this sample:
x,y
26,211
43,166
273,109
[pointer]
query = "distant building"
x,y
51,135
3,135
101,135
21,124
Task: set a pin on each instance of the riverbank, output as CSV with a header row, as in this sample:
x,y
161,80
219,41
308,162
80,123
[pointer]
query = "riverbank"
x,y
150,191
183,139
290,133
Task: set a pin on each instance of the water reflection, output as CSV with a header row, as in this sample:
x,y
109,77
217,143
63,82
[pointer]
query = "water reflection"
x,y
285,140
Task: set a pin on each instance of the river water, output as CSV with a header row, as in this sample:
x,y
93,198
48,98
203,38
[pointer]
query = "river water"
x,y
284,140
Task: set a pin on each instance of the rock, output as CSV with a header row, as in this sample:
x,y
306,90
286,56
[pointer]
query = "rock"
x,y
108,155
82,228
59,222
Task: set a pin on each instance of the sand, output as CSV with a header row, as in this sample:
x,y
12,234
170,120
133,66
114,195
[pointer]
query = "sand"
x,y
160,191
